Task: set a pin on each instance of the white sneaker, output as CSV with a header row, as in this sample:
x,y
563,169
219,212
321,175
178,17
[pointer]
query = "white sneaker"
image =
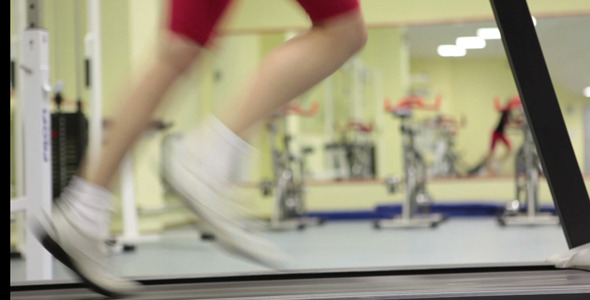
x,y
201,168
79,248
576,258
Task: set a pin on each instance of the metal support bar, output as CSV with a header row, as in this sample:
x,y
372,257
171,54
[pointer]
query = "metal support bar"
x,y
37,141
544,116
131,235
34,99
93,48
34,13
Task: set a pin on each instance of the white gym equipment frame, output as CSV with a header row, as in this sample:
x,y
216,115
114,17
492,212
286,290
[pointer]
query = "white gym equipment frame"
x,y
32,132
32,129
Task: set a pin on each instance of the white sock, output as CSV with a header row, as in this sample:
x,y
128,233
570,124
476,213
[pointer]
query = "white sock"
x,y
219,149
90,206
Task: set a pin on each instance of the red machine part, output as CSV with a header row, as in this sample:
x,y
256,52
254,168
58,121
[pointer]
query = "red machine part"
x,y
360,126
295,109
413,102
513,103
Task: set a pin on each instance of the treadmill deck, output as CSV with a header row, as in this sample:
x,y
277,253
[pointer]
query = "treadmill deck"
x,y
500,283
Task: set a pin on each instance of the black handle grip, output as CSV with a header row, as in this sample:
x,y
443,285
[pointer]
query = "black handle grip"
x,y
87,66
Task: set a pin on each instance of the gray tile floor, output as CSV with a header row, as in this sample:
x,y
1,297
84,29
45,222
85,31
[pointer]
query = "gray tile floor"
x,y
341,245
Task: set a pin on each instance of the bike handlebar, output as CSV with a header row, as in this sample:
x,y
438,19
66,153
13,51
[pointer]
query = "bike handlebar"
x,y
298,110
367,128
513,103
412,102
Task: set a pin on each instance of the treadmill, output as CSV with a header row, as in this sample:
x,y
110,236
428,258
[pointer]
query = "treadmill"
x,y
507,282
492,281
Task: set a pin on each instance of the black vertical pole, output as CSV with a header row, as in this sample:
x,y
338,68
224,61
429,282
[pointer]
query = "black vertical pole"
x,y
544,116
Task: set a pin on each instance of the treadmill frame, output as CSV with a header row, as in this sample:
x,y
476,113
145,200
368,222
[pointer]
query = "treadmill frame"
x,y
475,281
544,116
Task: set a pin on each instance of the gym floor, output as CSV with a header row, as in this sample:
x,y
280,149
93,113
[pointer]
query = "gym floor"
x,y
180,251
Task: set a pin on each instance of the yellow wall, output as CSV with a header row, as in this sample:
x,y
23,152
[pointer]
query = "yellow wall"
x,y
13,18
62,51
572,109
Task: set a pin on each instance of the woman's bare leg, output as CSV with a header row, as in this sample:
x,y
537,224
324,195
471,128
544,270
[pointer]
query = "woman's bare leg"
x,y
295,67
175,58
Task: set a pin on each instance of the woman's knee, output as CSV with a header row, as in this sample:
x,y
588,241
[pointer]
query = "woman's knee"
x,y
358,35
349,30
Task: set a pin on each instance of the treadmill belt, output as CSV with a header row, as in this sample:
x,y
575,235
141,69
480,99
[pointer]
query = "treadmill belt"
x,y
438,284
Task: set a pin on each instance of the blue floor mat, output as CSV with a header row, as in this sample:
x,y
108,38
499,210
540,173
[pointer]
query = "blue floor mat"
x,y
446,209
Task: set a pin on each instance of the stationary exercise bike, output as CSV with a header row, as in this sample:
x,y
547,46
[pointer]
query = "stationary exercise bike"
x,y
524,210
288,186
417,201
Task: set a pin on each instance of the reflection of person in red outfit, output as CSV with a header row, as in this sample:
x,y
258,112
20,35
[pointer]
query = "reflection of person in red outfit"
x,y
499,133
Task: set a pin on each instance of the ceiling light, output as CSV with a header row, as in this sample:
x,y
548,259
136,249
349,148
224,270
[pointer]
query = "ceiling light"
x,y
471,42
451,51
587,92
489,33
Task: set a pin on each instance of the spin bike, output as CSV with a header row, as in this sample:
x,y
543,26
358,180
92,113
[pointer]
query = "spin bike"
x,y
288,187
417,201
524,210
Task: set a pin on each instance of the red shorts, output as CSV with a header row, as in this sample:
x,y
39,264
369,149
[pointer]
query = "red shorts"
x,y
197,19
498,136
